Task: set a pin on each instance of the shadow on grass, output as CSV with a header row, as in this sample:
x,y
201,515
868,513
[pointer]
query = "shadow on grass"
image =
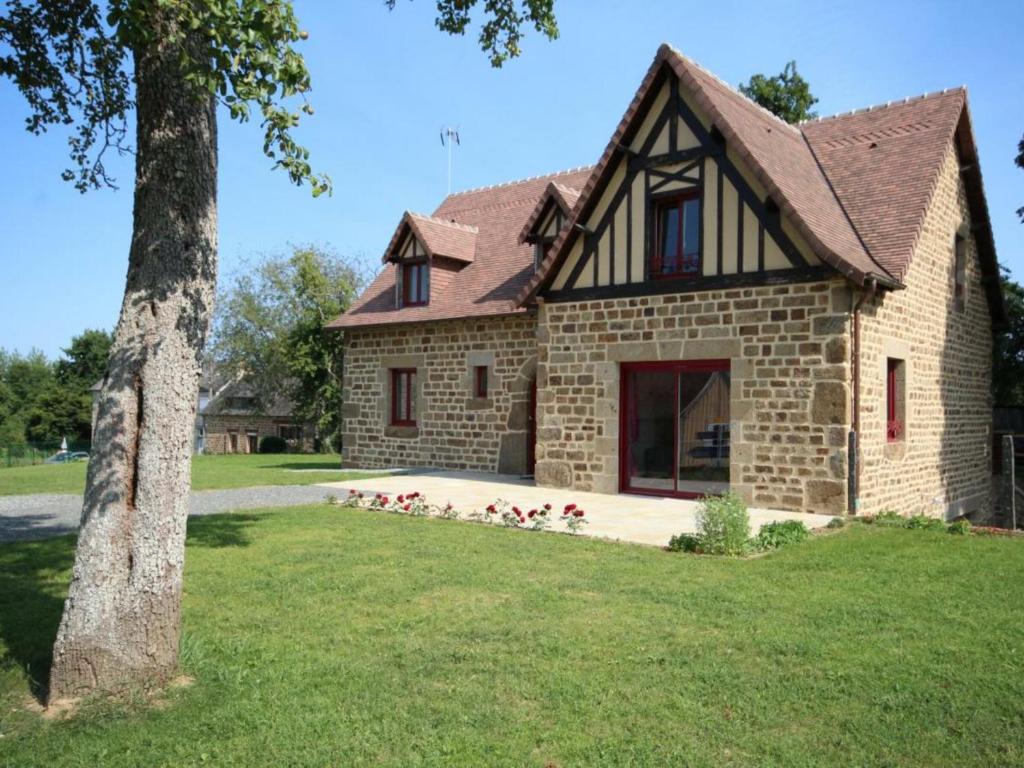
x,y
228,530
34,580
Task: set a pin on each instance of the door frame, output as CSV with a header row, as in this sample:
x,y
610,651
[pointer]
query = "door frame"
x,y
677,367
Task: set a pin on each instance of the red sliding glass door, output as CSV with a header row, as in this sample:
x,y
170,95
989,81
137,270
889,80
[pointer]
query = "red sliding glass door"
x,y
674,430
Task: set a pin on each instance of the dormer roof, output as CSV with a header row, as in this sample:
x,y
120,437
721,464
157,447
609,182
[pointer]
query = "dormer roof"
x,y
554,194
437,236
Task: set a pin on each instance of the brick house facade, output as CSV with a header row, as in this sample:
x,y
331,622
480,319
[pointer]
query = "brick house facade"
x,y
800,314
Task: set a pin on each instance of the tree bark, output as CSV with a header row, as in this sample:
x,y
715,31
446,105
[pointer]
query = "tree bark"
x,y
122,618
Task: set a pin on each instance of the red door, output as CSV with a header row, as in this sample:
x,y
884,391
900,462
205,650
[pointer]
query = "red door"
x,y
674,428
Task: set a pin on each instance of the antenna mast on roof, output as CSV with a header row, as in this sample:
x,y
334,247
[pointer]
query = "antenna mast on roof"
x,y
449,137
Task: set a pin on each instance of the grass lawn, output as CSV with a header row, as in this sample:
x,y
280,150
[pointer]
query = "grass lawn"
x,y
322,636
208,471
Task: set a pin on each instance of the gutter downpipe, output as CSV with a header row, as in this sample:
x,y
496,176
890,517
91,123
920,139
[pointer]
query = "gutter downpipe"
x,y
853,443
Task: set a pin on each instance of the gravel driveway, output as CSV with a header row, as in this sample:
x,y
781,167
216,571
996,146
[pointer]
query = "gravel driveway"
x,y
39,516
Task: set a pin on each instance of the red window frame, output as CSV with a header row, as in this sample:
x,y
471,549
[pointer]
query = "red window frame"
x,y
687,266
401,412
415,274
480,381
893,424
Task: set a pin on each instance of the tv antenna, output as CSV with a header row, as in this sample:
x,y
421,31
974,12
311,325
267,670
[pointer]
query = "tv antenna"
x,y
449,138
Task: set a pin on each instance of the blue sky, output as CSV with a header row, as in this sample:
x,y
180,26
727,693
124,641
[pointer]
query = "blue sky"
x,y
385,83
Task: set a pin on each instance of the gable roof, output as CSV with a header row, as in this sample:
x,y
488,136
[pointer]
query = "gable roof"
x,y
500,268
558,194
854,186
439,237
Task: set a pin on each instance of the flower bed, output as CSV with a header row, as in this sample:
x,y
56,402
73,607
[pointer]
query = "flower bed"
x,y
499,512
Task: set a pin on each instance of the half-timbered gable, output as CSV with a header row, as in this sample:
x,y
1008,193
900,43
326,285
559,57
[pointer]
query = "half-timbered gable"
x,y
547,219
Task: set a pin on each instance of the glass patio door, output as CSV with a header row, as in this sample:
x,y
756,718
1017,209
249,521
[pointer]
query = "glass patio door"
x,y
675,429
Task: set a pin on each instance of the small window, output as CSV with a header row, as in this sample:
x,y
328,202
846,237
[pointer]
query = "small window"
x,y
895,400
677,229
480,381
403,397
415,290
290,432
960,273
541,249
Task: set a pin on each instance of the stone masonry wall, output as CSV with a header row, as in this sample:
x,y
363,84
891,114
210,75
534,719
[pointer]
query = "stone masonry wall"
x,y
454,429
942,466
218,427
790,370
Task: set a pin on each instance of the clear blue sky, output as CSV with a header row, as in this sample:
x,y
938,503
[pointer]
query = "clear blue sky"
x,y
384,84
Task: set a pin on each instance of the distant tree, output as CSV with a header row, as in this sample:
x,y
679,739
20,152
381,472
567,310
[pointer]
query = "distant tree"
x,y
269,328
1020,164
787,94
85,361
23,379
1008,350
56,413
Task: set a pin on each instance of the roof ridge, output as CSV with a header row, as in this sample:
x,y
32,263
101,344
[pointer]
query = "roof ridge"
x,y
512,182
448,223
767,112
875,107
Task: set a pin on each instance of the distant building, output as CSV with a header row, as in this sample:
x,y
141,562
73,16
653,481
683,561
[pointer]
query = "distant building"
x,y
231,419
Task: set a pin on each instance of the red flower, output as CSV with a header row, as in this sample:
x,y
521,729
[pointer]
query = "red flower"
x,y
406,507
569,508
531,513
352,491
517,511
547,507
401,499
384,500
577,513
522,519
491,508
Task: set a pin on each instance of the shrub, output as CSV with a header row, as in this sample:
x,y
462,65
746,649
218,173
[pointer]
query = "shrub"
x,y
273,444
923,522
836,522
960,527
723,525
779,534
888,517
683,542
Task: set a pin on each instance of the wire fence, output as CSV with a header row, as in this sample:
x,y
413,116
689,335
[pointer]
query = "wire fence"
x,y
27,454
1010,467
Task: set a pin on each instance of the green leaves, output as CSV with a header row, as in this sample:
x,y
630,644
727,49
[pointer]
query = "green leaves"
x,y
787,94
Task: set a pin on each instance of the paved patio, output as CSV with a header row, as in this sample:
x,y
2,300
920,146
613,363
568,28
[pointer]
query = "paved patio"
x,y
638,519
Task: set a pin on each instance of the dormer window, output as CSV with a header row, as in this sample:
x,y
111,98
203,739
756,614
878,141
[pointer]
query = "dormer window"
x,y
541,249
677,237
415,284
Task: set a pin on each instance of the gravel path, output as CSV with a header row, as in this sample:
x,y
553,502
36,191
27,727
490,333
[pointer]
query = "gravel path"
x,y
42,515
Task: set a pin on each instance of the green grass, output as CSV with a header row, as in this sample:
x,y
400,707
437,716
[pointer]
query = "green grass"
x,y
325,636
208,471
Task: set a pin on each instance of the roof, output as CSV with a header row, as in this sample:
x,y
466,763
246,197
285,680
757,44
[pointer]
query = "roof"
x,y
558,194
501,265
439,237
855,186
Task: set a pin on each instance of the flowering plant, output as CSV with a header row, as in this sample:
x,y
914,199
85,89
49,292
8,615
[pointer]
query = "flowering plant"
x,y
572,516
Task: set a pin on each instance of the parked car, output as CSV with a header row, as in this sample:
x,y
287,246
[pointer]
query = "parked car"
x,y
65,457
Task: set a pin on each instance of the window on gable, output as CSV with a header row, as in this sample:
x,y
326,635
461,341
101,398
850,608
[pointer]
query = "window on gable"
x,y
677,232
403,397
541,249
415,284
895,399
960,273
480,384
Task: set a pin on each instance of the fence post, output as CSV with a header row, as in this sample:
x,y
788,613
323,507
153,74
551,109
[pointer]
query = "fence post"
x,y
1009,481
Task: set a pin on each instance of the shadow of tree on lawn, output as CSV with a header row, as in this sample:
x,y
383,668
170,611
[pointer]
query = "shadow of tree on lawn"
x,y
227,530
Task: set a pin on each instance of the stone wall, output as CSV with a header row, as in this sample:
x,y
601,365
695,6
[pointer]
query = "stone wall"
x,y
218,428
943,465
790,370
454,429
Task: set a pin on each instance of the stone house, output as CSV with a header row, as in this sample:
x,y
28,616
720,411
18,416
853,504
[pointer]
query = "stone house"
x,y
801,314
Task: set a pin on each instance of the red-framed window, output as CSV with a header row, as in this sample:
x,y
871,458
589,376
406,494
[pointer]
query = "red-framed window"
x,y
480,381
960,273
677,237
894,407
415,287
403,397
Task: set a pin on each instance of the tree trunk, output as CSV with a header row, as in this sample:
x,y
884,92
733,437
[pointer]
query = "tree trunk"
x,y
122,618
